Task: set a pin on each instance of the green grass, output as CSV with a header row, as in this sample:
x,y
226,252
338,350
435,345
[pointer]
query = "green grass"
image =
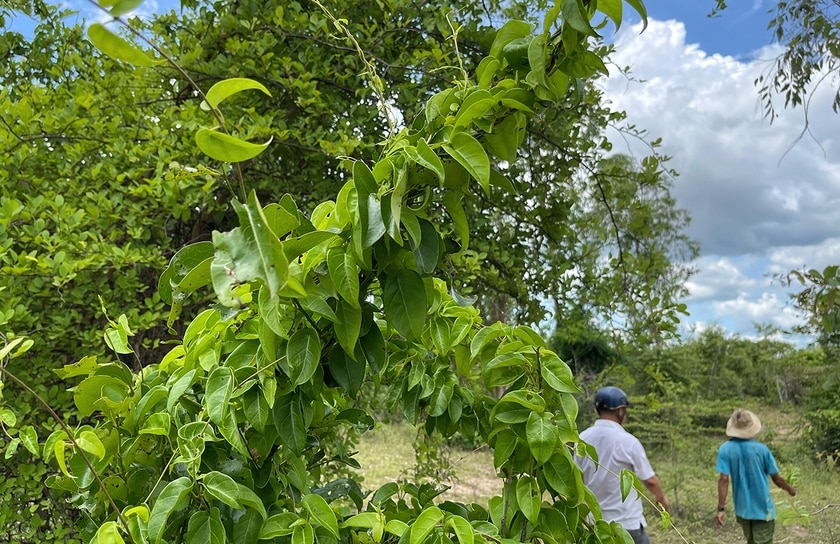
x,y
686,469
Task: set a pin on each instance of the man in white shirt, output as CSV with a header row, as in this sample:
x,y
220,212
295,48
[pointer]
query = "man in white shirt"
x,y
617,449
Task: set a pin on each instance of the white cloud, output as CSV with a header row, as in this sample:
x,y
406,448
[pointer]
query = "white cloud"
x,y
762,201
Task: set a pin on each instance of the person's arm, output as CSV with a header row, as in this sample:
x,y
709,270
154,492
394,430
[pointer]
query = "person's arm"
x,y
780,482
652,485
723,488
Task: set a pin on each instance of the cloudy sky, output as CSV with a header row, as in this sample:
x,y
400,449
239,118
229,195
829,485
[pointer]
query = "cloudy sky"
x,y
762,200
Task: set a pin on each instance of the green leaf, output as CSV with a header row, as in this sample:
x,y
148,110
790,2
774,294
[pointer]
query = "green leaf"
x,y
174,496
347,373
639,6
248,252
425,523
189,262
117,48
303,534
206,528
510,31
218,391
560,474
7,417
157,424
222,487
474,106
452,202
557,374
21,343
303,353
542,436
528,498
574,14
257,409
278,525
344,273
246,529
471,155
229,87
226,148
404,300
365,520
247,497
108,533
503,447
463,529
348,326
507,136
628,482
288,418
94,393
427,254
428,159
321,512
121,7
612,9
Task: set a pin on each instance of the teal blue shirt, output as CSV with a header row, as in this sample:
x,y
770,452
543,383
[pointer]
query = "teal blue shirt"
x,y
749,464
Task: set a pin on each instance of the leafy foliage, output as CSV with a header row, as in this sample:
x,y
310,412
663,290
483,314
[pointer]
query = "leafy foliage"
x,y
231,434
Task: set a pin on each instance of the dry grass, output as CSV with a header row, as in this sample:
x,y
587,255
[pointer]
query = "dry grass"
x,y
687,473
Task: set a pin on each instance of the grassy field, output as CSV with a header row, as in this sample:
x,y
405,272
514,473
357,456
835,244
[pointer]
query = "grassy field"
x,y
687,472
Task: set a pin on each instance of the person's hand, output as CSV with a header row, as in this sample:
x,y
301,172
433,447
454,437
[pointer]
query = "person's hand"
x,y
663,504
719,519
791,491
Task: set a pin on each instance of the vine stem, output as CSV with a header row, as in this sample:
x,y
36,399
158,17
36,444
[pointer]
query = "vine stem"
x,y
72,439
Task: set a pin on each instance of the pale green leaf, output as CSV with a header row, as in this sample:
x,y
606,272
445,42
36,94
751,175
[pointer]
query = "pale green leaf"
x,y
224,147
89,441
108,533
229,87
117,48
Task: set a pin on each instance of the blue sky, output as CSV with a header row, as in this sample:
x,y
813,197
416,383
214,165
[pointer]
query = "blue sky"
x,y
762,202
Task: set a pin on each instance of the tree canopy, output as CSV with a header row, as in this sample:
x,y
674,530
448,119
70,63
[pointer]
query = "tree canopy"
x,y
102,184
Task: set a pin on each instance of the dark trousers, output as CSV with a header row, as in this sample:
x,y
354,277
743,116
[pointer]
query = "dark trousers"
x,y
639,535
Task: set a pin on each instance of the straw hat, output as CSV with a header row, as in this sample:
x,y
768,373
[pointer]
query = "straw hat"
x,y
743,424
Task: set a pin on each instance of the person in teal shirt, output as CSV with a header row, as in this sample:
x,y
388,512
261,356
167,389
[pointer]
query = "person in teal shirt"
x,y
748,464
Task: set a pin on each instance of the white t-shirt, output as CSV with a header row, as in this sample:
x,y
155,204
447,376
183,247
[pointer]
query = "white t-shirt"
x,y
617,449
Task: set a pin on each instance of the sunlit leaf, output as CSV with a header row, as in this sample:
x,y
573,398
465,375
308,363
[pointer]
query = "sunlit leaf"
x,y
229,87
118,48
224,147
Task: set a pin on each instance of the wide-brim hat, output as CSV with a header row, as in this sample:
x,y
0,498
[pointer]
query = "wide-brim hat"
x,y
743,424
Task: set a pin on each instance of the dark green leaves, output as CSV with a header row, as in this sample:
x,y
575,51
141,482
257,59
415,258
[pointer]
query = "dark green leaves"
x,y
404,299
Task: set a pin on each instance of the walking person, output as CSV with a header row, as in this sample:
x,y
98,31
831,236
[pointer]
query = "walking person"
x,y
617,449
748,464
